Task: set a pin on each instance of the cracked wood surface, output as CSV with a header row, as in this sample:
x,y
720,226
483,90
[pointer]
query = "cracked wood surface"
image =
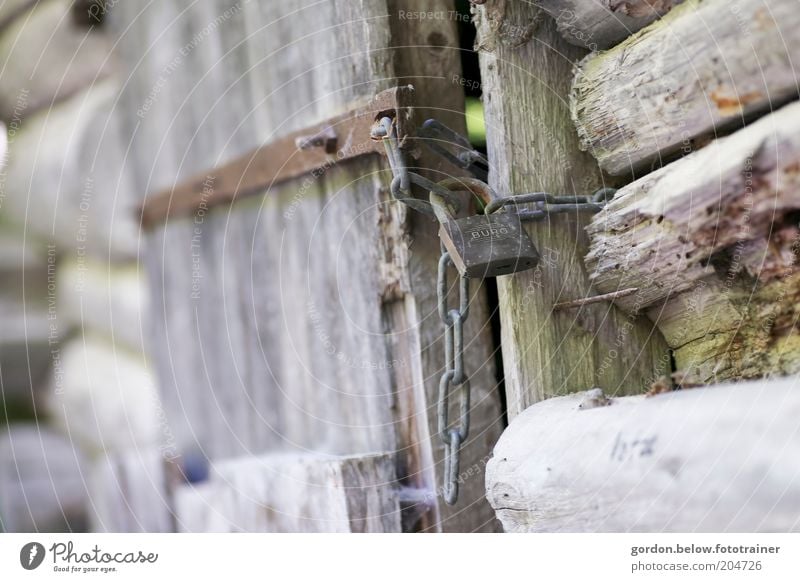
x,y
532,146
706,67
600,24
712,459
711,242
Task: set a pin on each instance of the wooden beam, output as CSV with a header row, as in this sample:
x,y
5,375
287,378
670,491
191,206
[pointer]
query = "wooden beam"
x,y
293,493
532,146
705,67
711,244
708,459
600,24
287,157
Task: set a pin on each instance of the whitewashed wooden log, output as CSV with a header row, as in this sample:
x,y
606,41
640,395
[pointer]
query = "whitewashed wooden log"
x,y
303,319
42,485
600,24
102,299
128,492
705,67
47,57
710,243
547,352
104,398
293,493
718,459
68,180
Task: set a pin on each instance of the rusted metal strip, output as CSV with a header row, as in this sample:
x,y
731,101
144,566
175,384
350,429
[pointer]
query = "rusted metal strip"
x,y
344,137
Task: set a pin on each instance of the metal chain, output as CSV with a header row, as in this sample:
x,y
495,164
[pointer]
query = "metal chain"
x,y
454,375
460,153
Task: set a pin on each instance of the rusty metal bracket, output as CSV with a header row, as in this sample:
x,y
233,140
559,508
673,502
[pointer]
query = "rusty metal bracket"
x,y
341,138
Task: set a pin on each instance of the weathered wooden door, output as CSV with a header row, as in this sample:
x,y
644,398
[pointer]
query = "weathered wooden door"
x,y
296,338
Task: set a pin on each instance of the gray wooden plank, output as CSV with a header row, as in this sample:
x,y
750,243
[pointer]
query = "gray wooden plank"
x,y
533,147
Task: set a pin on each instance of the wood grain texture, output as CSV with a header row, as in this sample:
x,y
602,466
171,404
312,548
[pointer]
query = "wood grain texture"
x,y
305,319
532,147
716,459
600,24
293,493
711,243
705,67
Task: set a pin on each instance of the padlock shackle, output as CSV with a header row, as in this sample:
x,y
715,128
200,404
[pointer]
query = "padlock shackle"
x,y
478,188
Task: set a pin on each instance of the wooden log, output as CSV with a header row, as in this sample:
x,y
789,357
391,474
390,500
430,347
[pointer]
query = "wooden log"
x,y
532,147
703,460
102,299
710,242
600,24
47,58
706,67
293,493
69,181
103,397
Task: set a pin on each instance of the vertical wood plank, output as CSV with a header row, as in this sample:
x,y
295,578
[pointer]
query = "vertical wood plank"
x,y
527,68
315,327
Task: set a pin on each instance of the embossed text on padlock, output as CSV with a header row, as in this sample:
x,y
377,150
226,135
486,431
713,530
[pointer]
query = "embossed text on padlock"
x,y
483,245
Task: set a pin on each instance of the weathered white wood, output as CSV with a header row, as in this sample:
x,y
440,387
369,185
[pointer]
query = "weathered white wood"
x,y
128,492
705,67
599,24
315,323
102,299
103,397
68,177
710,242
45,57
293,493
721,459
532,147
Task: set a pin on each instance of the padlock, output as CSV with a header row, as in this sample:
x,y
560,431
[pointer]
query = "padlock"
x,y
483,245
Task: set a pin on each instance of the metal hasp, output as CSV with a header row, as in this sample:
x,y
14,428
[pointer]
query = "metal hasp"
x,y
341,138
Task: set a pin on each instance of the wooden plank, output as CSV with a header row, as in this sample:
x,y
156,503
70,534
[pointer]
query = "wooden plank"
x,y
128,492
703,460
532,147
600,24
68,58
705,67
283,159
293,493
710,243
303,319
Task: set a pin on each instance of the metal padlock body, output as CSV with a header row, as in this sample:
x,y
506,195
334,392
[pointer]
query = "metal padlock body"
x,y
489,245
483,245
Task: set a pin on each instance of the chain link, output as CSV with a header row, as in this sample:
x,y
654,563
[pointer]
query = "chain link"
x,y
454,375
453,147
